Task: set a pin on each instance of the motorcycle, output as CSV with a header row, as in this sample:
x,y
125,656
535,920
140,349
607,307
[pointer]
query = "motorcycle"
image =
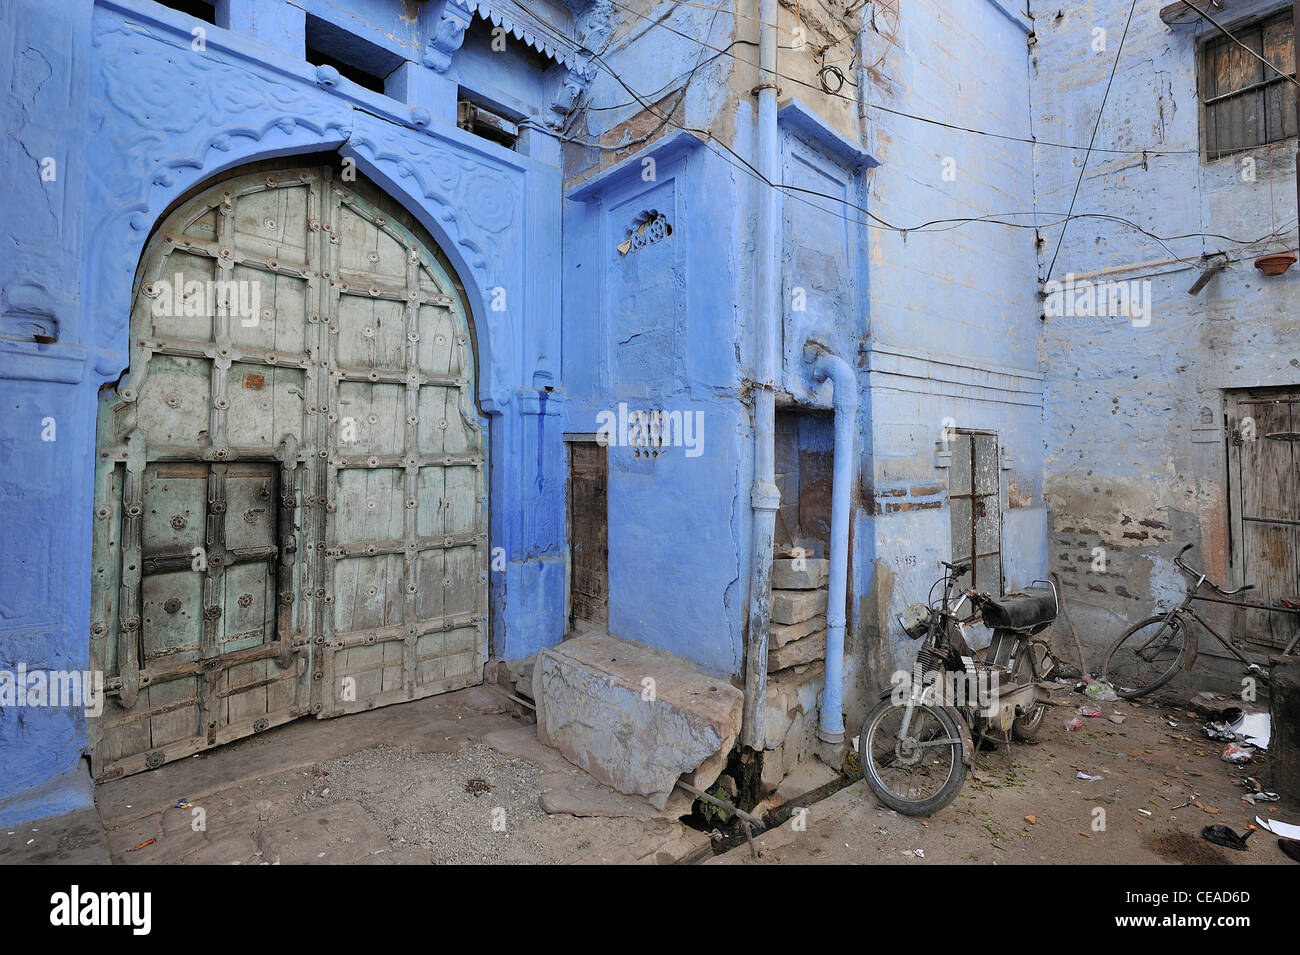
x,y
916,744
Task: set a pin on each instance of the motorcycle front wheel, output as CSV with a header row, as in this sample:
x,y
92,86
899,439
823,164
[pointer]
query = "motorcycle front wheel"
x,y
916,773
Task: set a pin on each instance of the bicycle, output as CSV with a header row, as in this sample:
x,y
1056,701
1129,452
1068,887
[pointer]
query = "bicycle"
x,y
1151,652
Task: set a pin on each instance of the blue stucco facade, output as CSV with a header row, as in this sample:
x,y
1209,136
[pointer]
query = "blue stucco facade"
x,y
134,116
608,261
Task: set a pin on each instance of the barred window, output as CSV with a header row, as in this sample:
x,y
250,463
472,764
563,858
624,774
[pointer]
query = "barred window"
x,y
1248,104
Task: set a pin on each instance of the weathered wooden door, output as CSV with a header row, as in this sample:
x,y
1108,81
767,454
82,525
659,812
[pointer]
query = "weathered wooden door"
x,y
1264,474
588,536
290,498
974,497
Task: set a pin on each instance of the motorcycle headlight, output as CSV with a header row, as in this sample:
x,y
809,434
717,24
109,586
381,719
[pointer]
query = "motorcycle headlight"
x,y
915,620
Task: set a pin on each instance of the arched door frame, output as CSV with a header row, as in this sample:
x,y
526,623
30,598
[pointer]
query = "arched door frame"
x,y
128,485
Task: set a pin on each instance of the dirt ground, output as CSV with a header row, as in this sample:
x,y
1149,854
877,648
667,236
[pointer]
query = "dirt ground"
x,y
458,778
1039,811
461,778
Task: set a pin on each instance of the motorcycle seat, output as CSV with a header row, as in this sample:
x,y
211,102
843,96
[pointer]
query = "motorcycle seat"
x,y
1035,607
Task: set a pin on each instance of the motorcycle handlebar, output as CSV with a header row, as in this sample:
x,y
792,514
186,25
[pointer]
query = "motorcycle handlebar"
x,y
958,570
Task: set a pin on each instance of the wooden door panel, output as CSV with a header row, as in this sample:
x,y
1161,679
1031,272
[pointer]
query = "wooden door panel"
x,y
589,535
247,557
406,533
1264,466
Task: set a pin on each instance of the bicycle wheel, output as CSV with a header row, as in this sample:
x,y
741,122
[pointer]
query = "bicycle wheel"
x,y
1146,656
917,773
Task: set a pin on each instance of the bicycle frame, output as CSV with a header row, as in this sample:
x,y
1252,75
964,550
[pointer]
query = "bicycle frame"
x,y
1184,610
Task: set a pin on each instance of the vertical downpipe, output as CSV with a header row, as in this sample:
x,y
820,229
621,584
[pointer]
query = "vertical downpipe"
x,y
763,496
845,386
1295,52
860,91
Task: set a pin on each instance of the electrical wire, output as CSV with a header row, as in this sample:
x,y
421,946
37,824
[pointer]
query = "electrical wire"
x,y
923,119
745,166
1101,111
673,81
950,223
1218,26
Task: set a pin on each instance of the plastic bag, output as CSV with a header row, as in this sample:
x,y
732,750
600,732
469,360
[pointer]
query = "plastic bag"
x,y
1098,690
1237,753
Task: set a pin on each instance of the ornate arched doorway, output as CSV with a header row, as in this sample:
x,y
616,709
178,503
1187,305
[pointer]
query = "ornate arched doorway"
x,y
291,510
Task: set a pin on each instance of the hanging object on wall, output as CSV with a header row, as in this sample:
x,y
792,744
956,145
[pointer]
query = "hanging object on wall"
x,y
1274,263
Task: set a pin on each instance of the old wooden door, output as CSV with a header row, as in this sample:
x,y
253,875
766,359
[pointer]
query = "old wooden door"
x,y
290,499
1264,474
588,536
974,497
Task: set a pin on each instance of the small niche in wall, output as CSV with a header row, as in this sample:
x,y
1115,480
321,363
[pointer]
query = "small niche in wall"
x,y
805,460
356,59
651,226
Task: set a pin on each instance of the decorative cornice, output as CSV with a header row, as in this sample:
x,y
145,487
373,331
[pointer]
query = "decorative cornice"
x,y
531,28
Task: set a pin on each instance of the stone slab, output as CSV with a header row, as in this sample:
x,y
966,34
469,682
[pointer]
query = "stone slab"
x,y
798,652
779,634
595,706
796,606
807,573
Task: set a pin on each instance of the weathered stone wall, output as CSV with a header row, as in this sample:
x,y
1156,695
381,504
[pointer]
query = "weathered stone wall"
x,y
1136,460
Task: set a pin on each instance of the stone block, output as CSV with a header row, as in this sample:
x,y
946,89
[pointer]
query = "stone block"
x,y
790,693
592,707
796,606
779,634
807,573
797,653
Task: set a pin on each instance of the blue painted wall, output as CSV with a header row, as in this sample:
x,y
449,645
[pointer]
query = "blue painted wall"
x,y
133,116
951,313
657,329
943,325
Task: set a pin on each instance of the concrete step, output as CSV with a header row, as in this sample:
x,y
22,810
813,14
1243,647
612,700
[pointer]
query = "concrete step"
x,y
634,717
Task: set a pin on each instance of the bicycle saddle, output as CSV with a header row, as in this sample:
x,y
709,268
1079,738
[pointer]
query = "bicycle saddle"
x,y
1032,608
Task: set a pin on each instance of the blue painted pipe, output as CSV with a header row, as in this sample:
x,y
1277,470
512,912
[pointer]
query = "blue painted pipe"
x,y
764,497
845,386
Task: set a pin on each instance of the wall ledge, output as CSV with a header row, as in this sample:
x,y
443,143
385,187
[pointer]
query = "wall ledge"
x,y
662,150
926,372
803,122
20,361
